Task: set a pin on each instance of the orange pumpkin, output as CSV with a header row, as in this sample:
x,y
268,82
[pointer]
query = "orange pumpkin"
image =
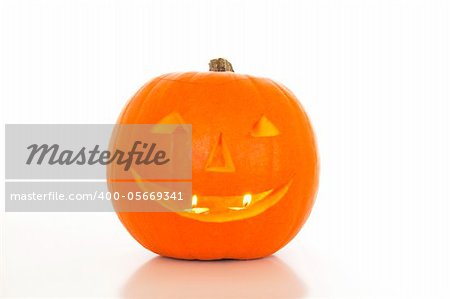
x,y
254,168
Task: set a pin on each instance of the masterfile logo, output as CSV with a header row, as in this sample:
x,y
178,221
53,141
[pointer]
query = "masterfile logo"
x,y
68,168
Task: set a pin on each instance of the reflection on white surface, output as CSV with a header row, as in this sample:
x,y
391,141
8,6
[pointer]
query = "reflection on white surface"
x,y
169,278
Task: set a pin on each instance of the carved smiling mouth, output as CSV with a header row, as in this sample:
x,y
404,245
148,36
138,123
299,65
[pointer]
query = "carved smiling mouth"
x,y
214,208
227,208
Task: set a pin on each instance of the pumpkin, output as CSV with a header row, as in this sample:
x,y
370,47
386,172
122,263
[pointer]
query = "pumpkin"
x,y
254,164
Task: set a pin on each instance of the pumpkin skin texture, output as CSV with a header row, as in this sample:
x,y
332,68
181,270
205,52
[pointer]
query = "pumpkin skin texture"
x,y
250,136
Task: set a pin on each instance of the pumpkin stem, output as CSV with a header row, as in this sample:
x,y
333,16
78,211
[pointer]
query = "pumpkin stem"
x,y
220,65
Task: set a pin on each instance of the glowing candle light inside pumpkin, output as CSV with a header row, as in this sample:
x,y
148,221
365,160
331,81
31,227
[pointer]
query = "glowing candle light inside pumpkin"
x,y
194,200
247,200
194,208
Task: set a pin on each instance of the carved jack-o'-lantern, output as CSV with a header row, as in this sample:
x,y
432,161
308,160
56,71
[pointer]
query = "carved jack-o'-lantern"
x,y
254,164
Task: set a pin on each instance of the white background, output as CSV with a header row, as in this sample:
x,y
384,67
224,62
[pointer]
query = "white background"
x,y
373,76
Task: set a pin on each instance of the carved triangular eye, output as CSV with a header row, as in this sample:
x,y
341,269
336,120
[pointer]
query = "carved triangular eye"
x,y
264,128
170,119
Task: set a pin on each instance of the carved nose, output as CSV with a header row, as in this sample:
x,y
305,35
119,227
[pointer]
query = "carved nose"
x,y
219,159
